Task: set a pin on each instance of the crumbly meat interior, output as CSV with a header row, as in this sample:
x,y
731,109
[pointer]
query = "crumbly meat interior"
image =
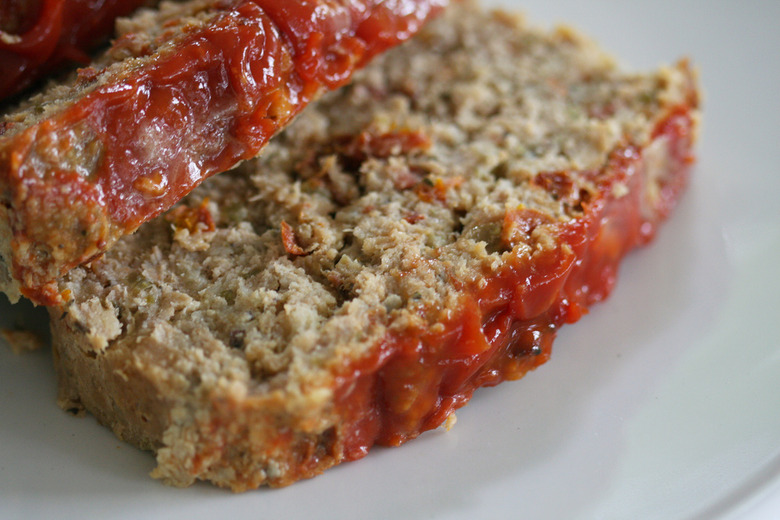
x,y
370,213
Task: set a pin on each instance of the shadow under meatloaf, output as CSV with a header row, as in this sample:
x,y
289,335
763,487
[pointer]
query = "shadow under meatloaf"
x,y
185,92
415,235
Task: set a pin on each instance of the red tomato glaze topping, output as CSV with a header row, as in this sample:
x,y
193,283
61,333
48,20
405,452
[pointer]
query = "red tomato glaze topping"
x,y
506,328
37,36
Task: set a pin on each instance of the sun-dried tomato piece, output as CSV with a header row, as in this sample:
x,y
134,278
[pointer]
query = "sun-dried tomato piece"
x,y
290,241
192,219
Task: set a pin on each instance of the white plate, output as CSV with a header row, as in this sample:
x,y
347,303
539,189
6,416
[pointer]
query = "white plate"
x,y
661,404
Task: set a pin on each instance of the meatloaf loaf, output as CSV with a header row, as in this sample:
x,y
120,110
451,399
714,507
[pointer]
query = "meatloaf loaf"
x,y
415,235
185,92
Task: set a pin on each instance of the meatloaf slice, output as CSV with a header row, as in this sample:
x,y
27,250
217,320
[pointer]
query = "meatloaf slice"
x,y
185,92
409,238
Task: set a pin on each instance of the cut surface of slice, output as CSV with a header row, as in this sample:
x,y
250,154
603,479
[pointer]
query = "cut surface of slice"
x,y
185,92
415,235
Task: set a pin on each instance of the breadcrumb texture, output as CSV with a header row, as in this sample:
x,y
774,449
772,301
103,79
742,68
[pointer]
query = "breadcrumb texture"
x,y
246,336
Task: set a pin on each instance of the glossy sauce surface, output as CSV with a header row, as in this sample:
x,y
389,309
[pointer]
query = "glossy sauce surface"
x,y
506,327
249,72
41,35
